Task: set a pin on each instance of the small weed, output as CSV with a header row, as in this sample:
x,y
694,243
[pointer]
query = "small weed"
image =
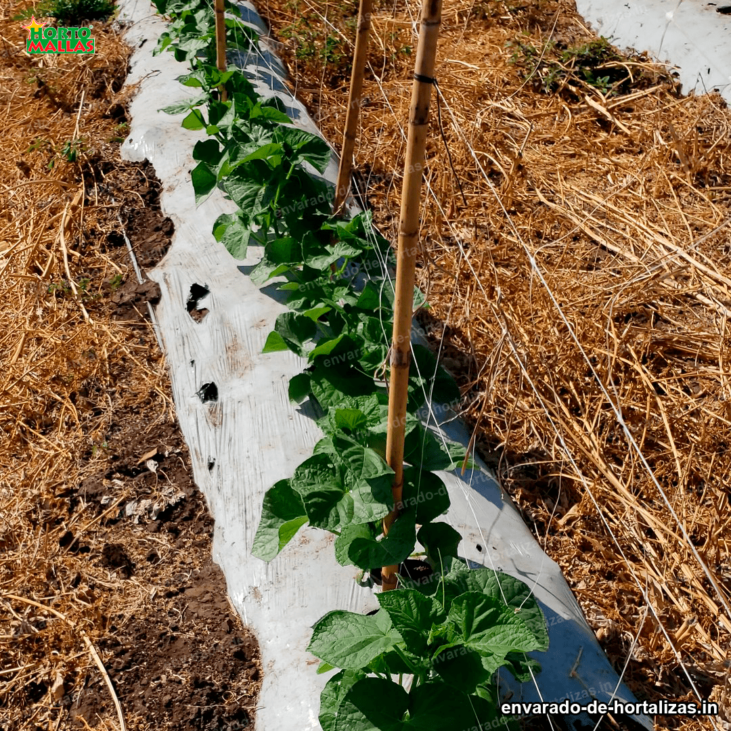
x,y
71,150
116,282
61,287
96,448
39,144
550,68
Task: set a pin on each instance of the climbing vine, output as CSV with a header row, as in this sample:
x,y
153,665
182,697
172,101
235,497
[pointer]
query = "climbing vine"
x,y
427,658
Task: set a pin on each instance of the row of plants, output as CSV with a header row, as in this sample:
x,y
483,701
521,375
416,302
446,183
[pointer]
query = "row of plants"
x,y
427,659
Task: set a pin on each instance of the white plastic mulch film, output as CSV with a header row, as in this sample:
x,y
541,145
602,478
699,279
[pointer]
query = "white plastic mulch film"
x,y
244,434
692,36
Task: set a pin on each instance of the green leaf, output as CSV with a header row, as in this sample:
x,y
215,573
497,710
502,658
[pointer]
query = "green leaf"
x,y
326,347
194,120
350,641
439,540
324,667
231,231
306,146
295,330
412,615
299,388
184,106
362,462
370,297
462,668
320,257
490,627
282,516
372,500
423,448
204,181
520,666
274,343
504,588
426,492
436,706
207,151
333,693
373,704
260,111
394,548
327,504
346,537
352,419
249,187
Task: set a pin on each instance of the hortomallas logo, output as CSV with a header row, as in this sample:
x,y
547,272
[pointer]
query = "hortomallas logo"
x,y
46,39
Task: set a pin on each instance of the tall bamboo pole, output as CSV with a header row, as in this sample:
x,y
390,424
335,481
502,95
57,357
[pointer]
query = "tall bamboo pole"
x,y
218,7
342,187
408,241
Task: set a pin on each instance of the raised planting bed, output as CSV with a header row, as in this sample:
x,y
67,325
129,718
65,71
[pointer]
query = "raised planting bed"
x,y
252,417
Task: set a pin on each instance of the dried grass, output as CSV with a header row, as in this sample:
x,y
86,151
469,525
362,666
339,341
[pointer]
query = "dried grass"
x,y
622,203
57,362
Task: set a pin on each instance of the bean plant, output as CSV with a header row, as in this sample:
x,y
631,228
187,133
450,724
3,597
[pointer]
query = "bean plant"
x,y
428,658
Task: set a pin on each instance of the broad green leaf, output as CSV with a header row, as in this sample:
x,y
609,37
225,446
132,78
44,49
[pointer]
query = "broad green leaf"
x,y
306,146
352,419
426,492
299,388
462,668
295,330
490,627
326,347
249,187
324,667
207,151
260,111
363,463
333,693
350,641
282,515
508,589
233,233
424,362
372,499
184,106
194,120
436,706
204,181
439,540
327,504
373,704
412,615
274,343
370,297
320,257
425,449
346,537
394,548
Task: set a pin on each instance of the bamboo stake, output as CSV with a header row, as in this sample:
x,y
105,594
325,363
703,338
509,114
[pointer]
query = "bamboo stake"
x,y
408,242
220,42
342,187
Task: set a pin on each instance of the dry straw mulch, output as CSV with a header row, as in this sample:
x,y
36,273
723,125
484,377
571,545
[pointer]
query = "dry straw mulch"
x,y
107,591
577,257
